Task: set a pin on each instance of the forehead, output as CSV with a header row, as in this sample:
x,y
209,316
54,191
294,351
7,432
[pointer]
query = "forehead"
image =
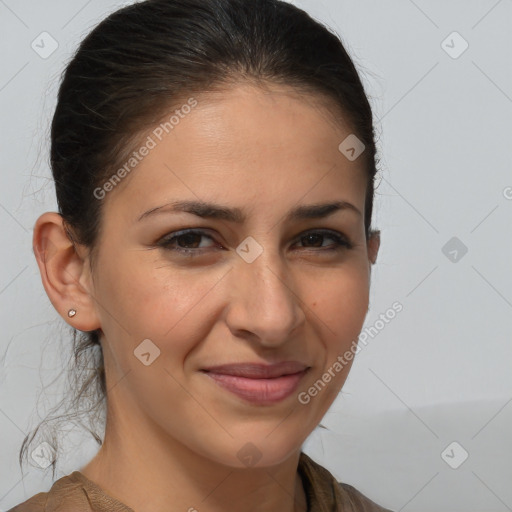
x,y
246,144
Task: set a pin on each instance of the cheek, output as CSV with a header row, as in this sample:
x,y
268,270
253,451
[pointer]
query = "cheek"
x,y
338,309
142,299
142,293
340,303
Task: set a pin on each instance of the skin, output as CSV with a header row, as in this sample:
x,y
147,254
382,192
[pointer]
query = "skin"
x,y
172,433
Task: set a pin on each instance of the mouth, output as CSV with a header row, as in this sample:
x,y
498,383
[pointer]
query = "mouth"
x,y
259,383
255,370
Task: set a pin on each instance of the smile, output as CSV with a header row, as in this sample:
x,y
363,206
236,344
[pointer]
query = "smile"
x,y
259,390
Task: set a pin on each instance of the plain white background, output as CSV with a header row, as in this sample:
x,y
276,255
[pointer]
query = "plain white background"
x,y
440,371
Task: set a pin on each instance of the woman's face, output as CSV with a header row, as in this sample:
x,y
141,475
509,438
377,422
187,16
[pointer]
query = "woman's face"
x,y
251,291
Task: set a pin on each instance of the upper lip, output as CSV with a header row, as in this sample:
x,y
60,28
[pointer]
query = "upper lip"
x,y
258,370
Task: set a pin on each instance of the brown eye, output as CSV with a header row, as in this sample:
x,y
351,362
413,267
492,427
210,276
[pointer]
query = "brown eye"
x,y
182,240
315,238
188,239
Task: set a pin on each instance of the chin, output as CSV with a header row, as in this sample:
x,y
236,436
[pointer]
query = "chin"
x,y
259,452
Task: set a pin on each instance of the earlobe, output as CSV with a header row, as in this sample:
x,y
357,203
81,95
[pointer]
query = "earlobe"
x,y
64,273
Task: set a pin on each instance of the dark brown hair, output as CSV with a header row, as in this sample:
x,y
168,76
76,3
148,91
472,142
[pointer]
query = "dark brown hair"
x,y
139,63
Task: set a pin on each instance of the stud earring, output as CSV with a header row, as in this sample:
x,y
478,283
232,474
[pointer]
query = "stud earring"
x,y
72,312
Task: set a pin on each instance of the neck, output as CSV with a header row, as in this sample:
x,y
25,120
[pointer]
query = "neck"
x,y
152,473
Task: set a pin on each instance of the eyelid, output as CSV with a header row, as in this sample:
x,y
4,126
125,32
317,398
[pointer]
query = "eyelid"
x,y
168,238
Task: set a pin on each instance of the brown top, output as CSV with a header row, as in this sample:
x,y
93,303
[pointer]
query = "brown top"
x,y
76,493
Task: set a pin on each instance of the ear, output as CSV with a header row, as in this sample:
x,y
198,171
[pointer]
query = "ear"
x,y
65,272
373,245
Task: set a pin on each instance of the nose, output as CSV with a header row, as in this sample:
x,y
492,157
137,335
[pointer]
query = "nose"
x,y
265,301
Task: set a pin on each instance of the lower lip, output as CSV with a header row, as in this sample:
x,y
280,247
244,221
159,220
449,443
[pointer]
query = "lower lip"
x,y
259,391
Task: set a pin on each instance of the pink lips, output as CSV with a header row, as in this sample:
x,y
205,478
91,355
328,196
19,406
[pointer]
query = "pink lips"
x,y
259,383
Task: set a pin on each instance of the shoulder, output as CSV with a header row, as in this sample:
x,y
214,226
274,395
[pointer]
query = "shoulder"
x,y
66,494
326,493
359,501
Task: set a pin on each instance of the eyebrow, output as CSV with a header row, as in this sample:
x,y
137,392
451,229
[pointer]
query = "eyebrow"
x,y
207,210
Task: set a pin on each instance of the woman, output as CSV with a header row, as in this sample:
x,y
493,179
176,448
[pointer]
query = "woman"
x,y
214,164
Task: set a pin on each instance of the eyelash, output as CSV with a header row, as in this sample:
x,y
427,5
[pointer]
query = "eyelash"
x,y
341,243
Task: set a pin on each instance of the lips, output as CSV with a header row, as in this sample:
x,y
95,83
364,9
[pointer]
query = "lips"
x,y
258,370
259,383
